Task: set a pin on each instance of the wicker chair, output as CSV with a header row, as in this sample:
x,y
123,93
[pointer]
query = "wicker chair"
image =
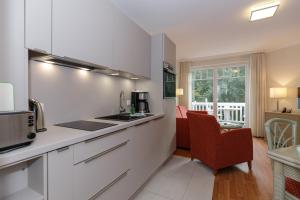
x,y
278,136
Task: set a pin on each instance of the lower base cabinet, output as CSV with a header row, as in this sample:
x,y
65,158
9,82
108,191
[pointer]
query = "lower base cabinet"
x,y
60,174
115,173
93,176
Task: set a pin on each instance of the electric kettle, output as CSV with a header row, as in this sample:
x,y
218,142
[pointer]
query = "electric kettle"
x,y
38,110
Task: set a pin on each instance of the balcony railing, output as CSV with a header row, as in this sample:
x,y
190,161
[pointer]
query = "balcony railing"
x,y
231,112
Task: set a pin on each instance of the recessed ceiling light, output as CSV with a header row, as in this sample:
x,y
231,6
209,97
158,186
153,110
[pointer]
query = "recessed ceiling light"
x,y
134,78
115,74
264,11
85,69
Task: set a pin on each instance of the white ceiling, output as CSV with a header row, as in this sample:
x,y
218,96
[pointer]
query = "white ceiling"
x,y
204,28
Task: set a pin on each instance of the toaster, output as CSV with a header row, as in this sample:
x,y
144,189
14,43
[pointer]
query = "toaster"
x,y
17,129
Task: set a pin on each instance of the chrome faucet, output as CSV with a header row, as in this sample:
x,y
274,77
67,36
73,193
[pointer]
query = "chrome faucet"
x,y
122,102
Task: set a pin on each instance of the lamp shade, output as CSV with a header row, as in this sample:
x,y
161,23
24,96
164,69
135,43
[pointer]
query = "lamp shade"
x,y
179,92
278,93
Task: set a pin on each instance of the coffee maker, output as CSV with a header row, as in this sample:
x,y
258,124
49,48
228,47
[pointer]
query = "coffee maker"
x,y
140,101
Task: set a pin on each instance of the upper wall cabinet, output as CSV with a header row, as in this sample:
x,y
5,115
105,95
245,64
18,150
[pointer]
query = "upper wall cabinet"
x,y
83,30
169,51
38,25
131,46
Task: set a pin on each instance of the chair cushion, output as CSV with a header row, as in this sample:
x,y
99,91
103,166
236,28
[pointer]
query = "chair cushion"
x,y
292,187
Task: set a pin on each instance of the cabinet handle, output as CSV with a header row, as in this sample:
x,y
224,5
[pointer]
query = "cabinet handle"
x,y
142,123
62,149
103,136
109,185
105,152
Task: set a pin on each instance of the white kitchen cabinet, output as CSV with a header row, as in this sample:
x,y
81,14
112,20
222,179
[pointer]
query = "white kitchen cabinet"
x,y
38,19
131,46
169,51
97,174
60,174
94,146
82,30
142,156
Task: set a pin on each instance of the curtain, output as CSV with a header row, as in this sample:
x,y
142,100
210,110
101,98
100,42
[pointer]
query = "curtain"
x,y
258,93
184,83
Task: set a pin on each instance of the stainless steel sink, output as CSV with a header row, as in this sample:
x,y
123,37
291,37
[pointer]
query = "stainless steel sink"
x,y
124,117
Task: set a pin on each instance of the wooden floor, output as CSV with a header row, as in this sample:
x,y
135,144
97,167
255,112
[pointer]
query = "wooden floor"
x,y
237,183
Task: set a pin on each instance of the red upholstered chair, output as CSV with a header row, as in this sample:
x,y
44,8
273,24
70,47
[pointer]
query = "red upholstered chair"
x,y
215,149
182,128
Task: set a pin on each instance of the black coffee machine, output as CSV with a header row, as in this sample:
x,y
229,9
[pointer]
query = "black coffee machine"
x,y
140,101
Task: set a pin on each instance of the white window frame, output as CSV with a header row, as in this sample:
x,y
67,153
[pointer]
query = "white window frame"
x,y
215,85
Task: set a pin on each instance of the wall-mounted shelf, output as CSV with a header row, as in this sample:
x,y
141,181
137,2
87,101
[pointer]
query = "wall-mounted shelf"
x,y
25,181
25,194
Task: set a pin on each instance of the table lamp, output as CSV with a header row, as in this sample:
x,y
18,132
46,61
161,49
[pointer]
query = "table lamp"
x,y
278,93
179,92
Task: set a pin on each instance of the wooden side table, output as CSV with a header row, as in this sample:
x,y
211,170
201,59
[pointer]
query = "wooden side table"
x,y
286,164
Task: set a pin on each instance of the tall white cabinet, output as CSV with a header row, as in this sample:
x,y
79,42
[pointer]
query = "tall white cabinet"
x,y
38,25
13,66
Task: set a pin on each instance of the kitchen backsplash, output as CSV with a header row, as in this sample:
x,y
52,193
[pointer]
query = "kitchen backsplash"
x,y
72,94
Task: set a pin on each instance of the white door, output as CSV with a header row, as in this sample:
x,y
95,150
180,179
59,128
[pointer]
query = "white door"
x,y
221,90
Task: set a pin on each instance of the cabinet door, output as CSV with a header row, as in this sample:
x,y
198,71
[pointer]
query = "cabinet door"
x,y
131,46
169,52
140,154
60,174
13,68
82,29
38,25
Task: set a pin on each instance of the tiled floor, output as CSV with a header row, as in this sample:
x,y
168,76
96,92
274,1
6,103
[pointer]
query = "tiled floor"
x,y
179,179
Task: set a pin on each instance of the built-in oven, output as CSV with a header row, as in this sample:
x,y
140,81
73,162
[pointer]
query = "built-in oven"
x,y
169,86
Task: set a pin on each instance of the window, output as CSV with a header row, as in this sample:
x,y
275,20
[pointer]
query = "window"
x,y
221,90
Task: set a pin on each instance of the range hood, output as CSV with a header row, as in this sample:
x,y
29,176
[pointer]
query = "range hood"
x,y
78,64
63,61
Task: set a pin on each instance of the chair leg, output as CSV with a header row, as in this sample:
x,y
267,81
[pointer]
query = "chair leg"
x,y
215,171
192,158
250,165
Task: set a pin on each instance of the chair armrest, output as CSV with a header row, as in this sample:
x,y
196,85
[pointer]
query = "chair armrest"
x,y
237,136
236,144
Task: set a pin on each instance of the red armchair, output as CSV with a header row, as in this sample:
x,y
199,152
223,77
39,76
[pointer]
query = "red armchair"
x,y
215,149
182,127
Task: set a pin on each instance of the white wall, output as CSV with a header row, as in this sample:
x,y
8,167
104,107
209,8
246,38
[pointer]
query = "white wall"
x,y
71,94
283,70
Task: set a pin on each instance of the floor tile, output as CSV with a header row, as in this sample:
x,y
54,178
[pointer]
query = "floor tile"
x,y
179,179
201,184
146,195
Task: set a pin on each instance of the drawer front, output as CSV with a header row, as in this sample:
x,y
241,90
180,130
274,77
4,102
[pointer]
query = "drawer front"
x,y
95,174
119,189
92,147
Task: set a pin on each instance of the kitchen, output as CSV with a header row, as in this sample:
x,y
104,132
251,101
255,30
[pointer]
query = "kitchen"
x,y
107,54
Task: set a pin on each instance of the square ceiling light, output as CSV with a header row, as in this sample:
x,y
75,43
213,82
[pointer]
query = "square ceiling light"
x,y
264,11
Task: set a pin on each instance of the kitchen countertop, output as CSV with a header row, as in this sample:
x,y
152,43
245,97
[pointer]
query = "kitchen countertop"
x,y
57,137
